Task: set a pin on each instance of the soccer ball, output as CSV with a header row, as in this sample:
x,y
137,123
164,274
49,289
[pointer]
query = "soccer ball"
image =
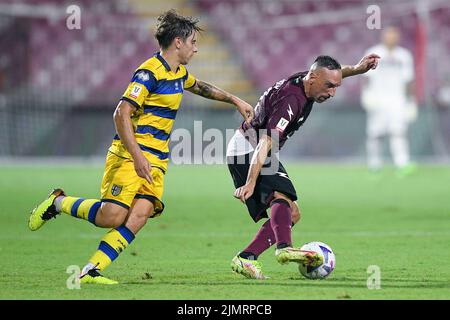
x,y
329,261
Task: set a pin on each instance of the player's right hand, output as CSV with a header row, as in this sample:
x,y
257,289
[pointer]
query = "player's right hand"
x,y
143,167
246,110
367,63
244,192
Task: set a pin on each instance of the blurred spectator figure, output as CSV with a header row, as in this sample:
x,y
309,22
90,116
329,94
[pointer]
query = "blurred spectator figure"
x,y
388,98
443,95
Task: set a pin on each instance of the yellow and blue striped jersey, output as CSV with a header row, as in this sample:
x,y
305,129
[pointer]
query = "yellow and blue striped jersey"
x,y
156,92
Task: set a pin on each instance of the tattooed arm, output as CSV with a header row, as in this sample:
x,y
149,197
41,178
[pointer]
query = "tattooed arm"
x,y
210,91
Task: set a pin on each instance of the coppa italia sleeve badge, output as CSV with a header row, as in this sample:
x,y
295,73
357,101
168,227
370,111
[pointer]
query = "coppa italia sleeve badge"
x,y
282,124
136,91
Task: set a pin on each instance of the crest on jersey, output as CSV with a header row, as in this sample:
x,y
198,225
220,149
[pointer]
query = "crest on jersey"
x,y
136,91
282,124
142,75
116,190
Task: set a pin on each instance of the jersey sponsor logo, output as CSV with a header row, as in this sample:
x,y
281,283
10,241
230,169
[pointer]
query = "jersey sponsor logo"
x,y
282,124
290,112
143,75
136,91
116,190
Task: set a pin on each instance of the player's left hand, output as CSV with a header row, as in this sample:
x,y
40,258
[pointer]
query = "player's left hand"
x,y
367,63
245,109
244,192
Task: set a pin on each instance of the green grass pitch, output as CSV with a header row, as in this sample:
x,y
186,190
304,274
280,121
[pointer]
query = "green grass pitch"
x,y
401,225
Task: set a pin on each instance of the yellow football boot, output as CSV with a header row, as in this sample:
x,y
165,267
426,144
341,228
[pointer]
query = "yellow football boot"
x,y
94,277
44,211
289,254
248,268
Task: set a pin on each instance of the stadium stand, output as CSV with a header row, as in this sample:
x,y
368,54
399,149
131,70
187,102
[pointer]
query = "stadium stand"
x,y
292,32
49,74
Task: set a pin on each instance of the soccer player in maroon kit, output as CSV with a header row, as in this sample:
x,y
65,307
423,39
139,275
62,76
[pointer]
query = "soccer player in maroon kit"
x,y
260,179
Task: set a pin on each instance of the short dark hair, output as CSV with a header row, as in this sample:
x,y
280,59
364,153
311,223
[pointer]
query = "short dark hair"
x,y
327,62
171,25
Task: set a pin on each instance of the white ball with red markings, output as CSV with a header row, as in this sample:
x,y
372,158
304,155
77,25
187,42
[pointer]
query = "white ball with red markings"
x,y
329,261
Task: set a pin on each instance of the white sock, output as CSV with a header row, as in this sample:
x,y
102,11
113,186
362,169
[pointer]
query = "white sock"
x,y
86,268
58,203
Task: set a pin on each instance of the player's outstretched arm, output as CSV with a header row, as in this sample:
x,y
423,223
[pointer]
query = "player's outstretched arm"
x,y
210,91
258,159
367,63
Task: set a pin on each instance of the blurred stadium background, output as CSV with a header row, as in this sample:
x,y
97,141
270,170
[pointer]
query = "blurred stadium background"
x,y
58,91
59,87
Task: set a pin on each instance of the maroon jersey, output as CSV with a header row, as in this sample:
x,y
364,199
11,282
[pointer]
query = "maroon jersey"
x,y
284,107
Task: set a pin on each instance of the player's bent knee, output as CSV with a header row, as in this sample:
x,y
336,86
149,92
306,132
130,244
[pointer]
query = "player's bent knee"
x,y
150,212
279,197
116,221
139,214
111,215
295,210
145,215
143,211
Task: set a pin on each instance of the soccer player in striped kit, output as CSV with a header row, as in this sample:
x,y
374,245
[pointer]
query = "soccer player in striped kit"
x,y
137,160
